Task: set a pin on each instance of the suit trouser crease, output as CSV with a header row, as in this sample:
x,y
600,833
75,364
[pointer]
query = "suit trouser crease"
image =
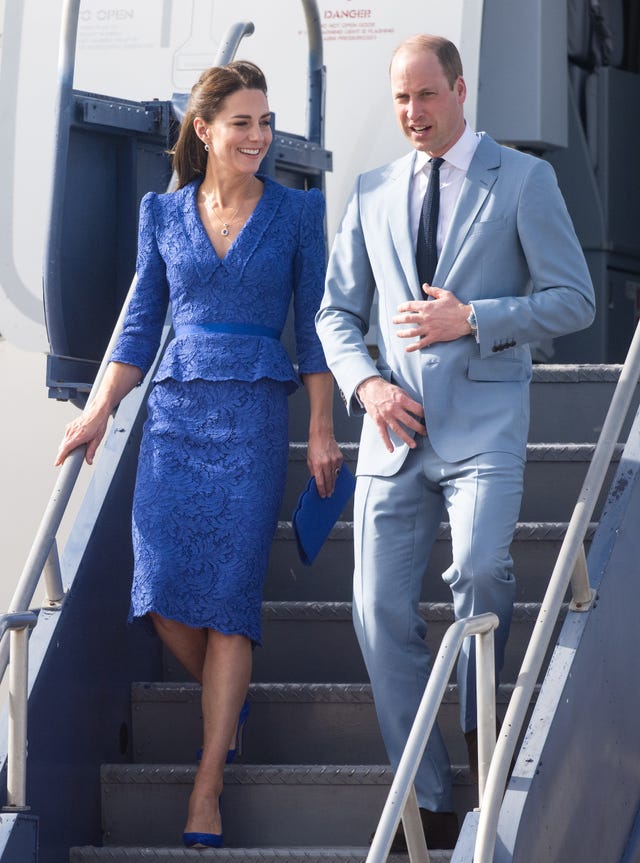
x,y
396,522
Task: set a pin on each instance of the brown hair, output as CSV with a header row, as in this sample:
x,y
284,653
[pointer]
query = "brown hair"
x,y
207,95
446,52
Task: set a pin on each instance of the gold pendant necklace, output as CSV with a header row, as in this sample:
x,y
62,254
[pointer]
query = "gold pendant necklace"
x,y
226,225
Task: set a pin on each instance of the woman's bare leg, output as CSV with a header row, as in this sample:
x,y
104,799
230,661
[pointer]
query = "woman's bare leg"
x,y
188,645
225,681
222,665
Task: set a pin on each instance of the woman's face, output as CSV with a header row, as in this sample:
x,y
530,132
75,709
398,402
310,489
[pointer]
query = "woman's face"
x,y
240,133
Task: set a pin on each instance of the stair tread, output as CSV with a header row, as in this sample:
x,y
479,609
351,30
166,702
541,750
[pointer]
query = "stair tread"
x,y
341,610
143,691
292,855
575,372
264,774
536,450
525,530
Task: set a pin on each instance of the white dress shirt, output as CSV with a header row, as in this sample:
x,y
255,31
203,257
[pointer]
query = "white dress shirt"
x,y
452,173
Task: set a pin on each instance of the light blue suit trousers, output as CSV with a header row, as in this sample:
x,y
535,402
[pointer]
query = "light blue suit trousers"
x,y
396,521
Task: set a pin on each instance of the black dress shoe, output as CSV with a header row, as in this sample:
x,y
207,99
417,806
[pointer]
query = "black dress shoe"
x,y
440,831
471,739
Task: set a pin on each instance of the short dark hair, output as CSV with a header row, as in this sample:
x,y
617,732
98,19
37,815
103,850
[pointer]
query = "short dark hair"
x,y
206,99
446,52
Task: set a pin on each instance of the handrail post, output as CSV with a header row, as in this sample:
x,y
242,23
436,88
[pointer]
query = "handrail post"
x,y
486,709
19,625
17,762
581,591
413,830
54,591
401,801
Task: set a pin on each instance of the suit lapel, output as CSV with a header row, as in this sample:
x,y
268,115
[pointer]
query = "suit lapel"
x,y
482,174
399,184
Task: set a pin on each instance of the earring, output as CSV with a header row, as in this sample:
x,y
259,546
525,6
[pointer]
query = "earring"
x,y
206,147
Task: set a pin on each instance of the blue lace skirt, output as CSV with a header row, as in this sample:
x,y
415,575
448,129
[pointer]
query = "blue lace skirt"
x,y
209,485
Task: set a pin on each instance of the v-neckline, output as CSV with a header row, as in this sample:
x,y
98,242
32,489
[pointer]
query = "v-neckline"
x,y
204,256
234,243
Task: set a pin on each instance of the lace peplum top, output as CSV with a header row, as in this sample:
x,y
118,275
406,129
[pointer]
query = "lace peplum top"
x,y
280,253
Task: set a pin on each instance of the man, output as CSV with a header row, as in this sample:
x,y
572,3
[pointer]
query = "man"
x,y
446,405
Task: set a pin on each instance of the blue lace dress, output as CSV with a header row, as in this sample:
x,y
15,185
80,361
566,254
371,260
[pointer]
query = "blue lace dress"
x,y
214,448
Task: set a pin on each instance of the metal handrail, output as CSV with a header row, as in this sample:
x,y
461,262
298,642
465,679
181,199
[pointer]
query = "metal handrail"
x,y
316,74
229,45
402,801
570,568
18,625
43,556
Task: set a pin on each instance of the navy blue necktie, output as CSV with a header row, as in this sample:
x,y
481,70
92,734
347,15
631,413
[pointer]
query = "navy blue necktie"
x,y
426,247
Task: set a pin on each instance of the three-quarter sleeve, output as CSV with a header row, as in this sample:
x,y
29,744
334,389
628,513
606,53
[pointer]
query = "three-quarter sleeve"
x,y
142,328
309,275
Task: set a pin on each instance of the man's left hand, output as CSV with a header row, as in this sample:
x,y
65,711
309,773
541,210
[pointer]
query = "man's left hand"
x,y
441,319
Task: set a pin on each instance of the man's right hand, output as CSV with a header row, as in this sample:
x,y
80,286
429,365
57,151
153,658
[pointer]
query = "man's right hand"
x,y
391,408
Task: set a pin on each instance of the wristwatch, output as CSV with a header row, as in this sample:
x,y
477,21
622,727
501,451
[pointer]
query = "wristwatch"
x,y
471,320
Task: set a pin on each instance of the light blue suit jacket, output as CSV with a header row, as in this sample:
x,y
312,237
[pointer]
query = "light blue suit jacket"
x,y
511,250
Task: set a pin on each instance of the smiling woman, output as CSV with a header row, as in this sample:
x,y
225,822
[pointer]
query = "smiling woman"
x,y
227,133
235,144
229,249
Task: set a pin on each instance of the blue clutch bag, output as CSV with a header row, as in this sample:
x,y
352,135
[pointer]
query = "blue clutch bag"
x,y
314,516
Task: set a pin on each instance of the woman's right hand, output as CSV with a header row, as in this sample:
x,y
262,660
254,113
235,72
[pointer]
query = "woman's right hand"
x,y
90,426
89,429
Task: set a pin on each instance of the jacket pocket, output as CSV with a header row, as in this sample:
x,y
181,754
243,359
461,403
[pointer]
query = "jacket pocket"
x,y
488,226
497,370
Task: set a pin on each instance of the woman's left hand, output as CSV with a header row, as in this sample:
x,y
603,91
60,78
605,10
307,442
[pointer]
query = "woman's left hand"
x,y
324,461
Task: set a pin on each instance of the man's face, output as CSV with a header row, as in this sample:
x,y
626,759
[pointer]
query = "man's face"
x,y
428,110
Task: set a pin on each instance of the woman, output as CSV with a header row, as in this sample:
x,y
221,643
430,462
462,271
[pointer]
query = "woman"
x,y
229,249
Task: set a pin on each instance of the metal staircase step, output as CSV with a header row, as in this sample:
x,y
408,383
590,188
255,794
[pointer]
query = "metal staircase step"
x,y
569,401
315,642
554,473
264,805
324,723
553,478
534,550
587,388
238,855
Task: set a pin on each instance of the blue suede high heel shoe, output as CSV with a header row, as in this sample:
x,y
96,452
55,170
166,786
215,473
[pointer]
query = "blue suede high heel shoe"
x,y
242,721
237,750
203,840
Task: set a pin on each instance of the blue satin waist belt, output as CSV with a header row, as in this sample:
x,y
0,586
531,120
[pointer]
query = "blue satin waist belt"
x,y
236,329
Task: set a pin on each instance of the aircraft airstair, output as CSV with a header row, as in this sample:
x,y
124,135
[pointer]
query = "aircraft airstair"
x,y
313,777
114,722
